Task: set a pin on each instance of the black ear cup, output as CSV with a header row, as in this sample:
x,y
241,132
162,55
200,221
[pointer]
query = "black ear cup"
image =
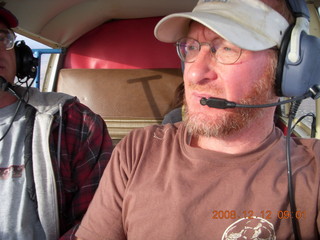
x,y
26,62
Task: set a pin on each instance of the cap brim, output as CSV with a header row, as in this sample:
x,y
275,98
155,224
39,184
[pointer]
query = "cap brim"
x,y
244,29
8,18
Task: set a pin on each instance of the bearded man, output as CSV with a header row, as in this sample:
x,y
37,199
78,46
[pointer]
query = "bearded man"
x,y
222,173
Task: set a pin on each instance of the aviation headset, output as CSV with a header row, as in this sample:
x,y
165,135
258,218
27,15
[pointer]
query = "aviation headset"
x,y
25,61
26,68
298,63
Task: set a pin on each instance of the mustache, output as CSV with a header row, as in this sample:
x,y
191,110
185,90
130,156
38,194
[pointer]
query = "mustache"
x,y
208,88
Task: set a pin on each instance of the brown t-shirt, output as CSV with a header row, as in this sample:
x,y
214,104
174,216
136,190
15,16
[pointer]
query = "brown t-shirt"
x,y
158,187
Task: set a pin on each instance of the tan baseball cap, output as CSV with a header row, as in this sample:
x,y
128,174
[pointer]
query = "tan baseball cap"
x,y
249,24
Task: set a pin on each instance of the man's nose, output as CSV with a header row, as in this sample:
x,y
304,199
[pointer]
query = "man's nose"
x,y
203,68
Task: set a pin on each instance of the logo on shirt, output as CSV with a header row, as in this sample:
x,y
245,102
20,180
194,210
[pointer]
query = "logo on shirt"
x,y
13,171
250,228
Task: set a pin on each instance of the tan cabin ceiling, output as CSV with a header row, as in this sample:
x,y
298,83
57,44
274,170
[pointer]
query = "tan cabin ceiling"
x,y
58,23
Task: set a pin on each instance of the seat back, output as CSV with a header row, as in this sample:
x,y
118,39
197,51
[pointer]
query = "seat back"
x,y
122,72
124,98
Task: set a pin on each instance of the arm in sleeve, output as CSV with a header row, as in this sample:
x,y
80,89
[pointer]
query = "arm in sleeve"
x,y
103,219
85,151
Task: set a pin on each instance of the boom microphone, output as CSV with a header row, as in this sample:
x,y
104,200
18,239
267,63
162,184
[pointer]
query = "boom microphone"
x,y
6,86
223,103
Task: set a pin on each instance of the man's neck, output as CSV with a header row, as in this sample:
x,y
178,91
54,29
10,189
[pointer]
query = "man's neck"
x,y
6,99
244,140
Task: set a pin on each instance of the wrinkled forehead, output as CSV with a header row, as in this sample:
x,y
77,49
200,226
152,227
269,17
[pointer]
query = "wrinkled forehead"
x,y
197,30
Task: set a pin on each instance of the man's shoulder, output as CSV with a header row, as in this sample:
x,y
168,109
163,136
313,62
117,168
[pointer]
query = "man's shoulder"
x,y
309,147
152,142
160,130
310,143
48,102
155,133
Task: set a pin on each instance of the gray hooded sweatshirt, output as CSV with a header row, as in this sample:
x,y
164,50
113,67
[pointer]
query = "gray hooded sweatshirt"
x,y
47,105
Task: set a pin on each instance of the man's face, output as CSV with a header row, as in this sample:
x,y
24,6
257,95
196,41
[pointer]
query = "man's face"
x,y
248,81
7,61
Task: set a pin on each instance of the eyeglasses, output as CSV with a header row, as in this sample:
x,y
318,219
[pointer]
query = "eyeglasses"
x,y
223,51
7,38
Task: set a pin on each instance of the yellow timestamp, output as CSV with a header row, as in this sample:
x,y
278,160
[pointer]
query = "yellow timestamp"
x,y
266,214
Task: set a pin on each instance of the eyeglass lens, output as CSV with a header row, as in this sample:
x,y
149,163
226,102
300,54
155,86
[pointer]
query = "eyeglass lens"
x,y
223,51
7,38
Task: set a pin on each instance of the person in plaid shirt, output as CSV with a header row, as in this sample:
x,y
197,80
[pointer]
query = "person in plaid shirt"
x,y
53,151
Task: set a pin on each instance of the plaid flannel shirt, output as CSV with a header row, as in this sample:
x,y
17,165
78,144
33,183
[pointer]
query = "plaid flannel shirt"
x,y
85,149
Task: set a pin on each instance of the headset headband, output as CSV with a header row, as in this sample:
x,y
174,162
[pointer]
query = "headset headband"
x,y
299,8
